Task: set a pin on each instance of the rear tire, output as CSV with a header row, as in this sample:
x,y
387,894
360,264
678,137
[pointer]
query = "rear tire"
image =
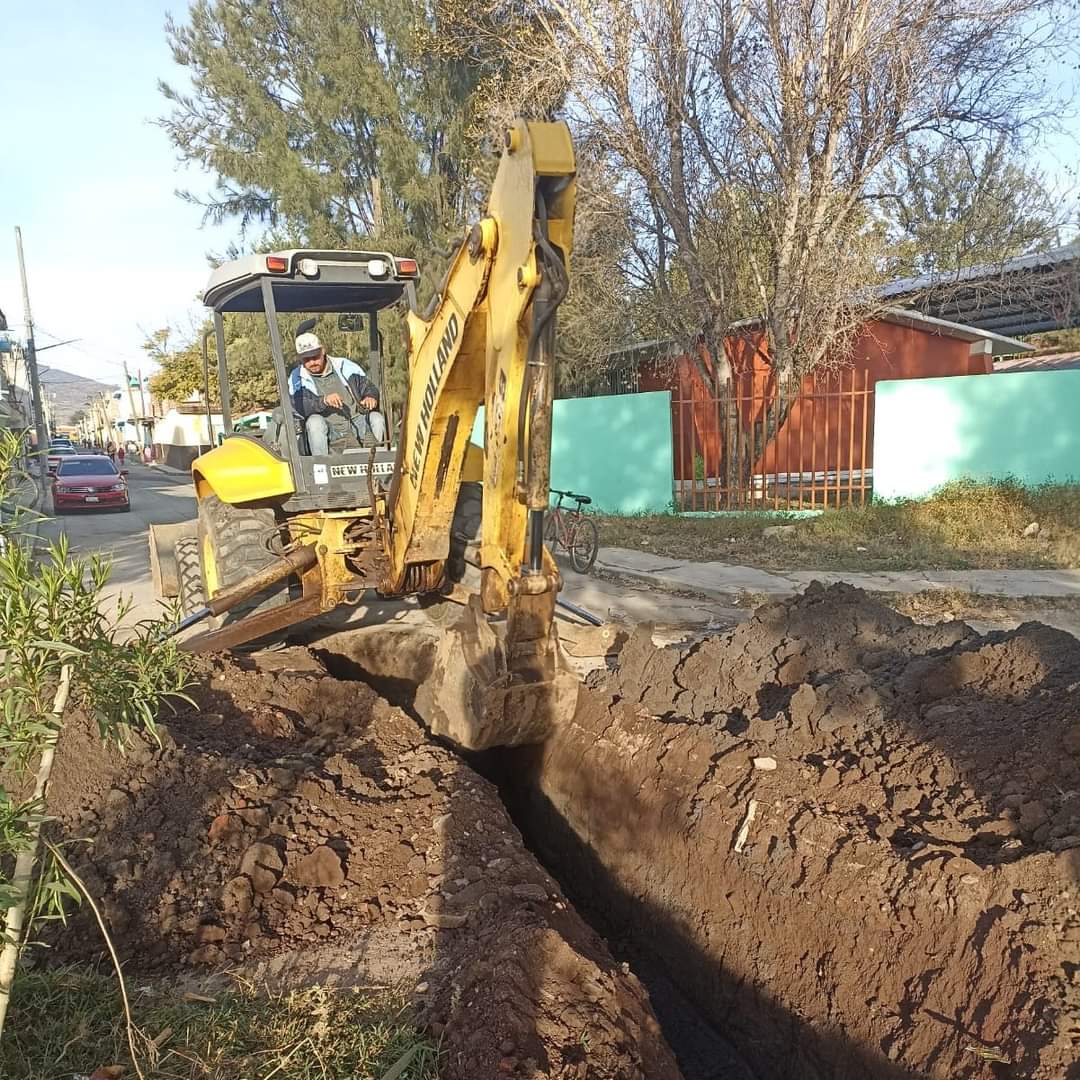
x,y
584,545
235,539
189,575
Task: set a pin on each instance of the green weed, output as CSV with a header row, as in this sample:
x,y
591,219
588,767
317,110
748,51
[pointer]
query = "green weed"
x,y
964,526
68,1022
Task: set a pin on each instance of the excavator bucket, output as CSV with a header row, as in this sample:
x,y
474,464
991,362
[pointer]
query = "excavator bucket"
x,y
478,696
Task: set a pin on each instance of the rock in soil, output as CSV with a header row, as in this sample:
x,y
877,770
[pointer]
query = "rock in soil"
x,y
298,828
904,901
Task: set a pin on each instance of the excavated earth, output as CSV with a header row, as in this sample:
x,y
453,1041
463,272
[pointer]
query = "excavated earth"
x,y
850,842
292,827
854,841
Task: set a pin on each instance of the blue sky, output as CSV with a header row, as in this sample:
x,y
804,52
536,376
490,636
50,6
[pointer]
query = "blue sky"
x,y
109,246
111,251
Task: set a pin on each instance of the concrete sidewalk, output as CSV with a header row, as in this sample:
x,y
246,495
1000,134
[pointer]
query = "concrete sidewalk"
x,y
161,467
725,581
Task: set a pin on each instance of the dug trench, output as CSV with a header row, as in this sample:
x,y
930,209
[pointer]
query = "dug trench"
x,y
292,828
849,842
846,842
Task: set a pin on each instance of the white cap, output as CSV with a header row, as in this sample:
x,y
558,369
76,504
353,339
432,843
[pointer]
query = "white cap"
x,y
307,345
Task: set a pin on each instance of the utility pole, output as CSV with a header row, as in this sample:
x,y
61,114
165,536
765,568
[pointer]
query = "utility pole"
x,y
146,427
32,371
99,420
106,421
135,422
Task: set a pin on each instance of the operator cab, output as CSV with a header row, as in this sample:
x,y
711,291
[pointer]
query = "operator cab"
x,y
298,284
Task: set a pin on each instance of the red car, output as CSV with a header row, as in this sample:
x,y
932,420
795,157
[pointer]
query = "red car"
x,y
89,480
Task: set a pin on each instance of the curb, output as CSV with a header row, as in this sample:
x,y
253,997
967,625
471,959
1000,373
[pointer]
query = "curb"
x,y
730,596
167,469
734,596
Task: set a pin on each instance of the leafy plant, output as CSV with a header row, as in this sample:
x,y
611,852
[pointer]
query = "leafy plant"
x,y
60,642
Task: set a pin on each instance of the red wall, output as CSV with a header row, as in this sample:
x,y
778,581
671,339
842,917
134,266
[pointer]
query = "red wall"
x,y
824,426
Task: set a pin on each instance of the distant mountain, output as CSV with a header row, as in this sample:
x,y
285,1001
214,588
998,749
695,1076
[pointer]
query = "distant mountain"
x,y
72,391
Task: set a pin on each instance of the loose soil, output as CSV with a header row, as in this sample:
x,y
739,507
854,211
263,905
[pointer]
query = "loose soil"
x,y
852,841
297,828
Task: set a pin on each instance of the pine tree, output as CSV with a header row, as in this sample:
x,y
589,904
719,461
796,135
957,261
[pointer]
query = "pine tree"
x,y
298,107
955,209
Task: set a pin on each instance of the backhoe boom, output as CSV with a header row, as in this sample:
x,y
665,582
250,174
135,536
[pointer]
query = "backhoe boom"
x,y
490,340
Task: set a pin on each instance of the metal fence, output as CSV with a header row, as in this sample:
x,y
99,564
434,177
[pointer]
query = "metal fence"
x,y
768,444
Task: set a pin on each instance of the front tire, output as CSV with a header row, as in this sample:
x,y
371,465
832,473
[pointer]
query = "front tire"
x,y
189,575
584,545
551,531
232,546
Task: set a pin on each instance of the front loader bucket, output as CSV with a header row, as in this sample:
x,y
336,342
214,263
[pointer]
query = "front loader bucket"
x,y
473,698
163,556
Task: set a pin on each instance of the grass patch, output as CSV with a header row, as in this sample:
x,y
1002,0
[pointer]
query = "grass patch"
x,y
964,526
67,1022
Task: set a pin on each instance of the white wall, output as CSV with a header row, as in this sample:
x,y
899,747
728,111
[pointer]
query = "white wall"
x,y
186,429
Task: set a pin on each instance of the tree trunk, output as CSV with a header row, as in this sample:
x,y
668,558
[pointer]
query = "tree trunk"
x,y
27,858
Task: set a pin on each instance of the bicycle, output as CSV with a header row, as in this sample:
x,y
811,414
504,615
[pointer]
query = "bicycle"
x,y
573,530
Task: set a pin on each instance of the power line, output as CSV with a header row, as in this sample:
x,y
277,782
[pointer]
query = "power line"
x,y
118,364
82,348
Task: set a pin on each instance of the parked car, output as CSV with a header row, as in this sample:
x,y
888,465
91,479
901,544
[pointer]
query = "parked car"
x,y
89,481
55,454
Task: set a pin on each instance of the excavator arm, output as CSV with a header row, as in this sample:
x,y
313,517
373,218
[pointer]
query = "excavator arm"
x,y
488,339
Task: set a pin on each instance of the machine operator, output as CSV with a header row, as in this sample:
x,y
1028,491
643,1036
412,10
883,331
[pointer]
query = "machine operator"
x,y
332,394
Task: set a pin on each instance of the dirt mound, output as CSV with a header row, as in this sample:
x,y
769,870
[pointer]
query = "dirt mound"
x,y
855,840
297,827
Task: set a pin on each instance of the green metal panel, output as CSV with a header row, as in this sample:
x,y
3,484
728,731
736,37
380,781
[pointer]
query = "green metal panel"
x,y
616,449
930,431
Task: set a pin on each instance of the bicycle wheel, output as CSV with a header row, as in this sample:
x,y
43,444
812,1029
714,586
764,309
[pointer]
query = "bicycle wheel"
x,y
584,544
551,530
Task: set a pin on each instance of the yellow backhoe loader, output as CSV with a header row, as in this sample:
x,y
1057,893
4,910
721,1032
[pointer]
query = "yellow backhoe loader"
x,y
282,535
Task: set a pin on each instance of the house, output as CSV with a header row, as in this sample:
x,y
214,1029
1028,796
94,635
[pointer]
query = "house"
x,y
759,441
185,432
15,406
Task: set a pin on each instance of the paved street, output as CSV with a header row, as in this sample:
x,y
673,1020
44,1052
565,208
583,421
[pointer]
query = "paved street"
x,y
156,496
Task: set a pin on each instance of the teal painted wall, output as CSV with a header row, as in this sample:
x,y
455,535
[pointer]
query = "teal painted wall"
x,y
930,431
616,449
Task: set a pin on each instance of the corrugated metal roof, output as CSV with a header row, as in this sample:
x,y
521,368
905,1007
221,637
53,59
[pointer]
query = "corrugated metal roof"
x,y
984,272
1017,297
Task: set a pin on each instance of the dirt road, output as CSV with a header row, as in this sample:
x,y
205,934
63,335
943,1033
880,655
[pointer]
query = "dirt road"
x,y
156,496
